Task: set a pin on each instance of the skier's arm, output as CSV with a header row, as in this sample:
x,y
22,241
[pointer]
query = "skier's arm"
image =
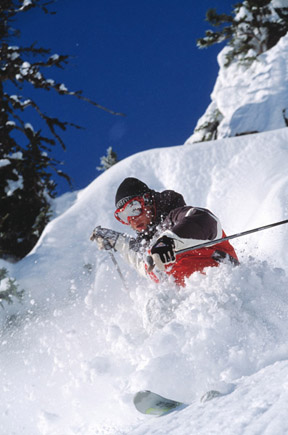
x,y
134,258
190,226
184,228
107,239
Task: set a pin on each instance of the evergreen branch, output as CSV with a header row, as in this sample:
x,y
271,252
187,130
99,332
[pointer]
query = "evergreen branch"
x,y
253,26
26,176
78,95
51,122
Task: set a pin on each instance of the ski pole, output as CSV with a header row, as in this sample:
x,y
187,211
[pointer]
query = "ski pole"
x,y
214,242
114,261
118,269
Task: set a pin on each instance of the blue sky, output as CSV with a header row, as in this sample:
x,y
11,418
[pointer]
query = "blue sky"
x,y
136,57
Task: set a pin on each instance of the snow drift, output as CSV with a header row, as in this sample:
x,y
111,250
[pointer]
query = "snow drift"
x,y
246,100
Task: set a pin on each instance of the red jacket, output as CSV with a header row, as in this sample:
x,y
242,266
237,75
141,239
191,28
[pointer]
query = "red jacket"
x,y
191,226
196,261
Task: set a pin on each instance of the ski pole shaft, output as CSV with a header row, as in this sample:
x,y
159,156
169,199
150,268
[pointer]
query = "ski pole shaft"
x,y
223,239
118,269
233,236
107,245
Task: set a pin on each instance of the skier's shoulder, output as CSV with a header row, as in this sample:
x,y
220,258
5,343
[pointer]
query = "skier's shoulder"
x,y
170,199
200,211
189,210
187,215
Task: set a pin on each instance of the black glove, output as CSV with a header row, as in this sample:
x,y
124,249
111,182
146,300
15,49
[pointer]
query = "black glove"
x,y
163,248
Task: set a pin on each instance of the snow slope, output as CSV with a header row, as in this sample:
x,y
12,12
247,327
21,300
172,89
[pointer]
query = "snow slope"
x,y
81,345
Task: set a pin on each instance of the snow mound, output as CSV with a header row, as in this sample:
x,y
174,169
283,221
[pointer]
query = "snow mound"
x,y
246,100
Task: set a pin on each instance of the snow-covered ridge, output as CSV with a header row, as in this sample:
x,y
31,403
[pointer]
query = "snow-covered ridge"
x,y
246,100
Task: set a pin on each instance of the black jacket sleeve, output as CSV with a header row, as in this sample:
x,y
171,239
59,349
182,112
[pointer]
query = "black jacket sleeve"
x,y
191,226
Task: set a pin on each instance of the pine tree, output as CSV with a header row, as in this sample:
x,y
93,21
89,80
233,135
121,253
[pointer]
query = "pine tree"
x,y
255,27
26,165
107,161
208,129
8,288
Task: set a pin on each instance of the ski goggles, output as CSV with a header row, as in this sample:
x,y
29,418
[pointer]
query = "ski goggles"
x,y
132,208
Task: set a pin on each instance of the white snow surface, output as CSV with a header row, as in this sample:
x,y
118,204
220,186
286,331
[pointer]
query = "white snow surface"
x,y
79,346
250,99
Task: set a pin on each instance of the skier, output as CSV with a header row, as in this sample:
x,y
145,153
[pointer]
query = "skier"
x,y
164,225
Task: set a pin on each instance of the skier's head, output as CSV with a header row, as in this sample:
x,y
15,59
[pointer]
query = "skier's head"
x,y
134,204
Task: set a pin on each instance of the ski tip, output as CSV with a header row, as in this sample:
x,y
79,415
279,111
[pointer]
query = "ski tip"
x,y
150,403
140,396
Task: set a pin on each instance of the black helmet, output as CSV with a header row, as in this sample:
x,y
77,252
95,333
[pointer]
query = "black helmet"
x,y
128,189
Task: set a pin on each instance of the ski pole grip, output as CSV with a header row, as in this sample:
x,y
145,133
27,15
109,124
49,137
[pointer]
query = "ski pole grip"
x,y
150,263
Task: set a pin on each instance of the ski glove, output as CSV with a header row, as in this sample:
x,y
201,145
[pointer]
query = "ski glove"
x,y
105,238
163,252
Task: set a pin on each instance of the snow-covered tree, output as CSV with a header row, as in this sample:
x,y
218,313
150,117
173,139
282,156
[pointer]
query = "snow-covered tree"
x,y
26,164
254,27
8,288
109,160
207,130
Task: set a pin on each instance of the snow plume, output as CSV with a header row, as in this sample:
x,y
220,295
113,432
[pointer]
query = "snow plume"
x,y
94,356
219,329
247,100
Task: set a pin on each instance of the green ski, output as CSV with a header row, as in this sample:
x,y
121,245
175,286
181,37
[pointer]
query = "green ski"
x,y
150,403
